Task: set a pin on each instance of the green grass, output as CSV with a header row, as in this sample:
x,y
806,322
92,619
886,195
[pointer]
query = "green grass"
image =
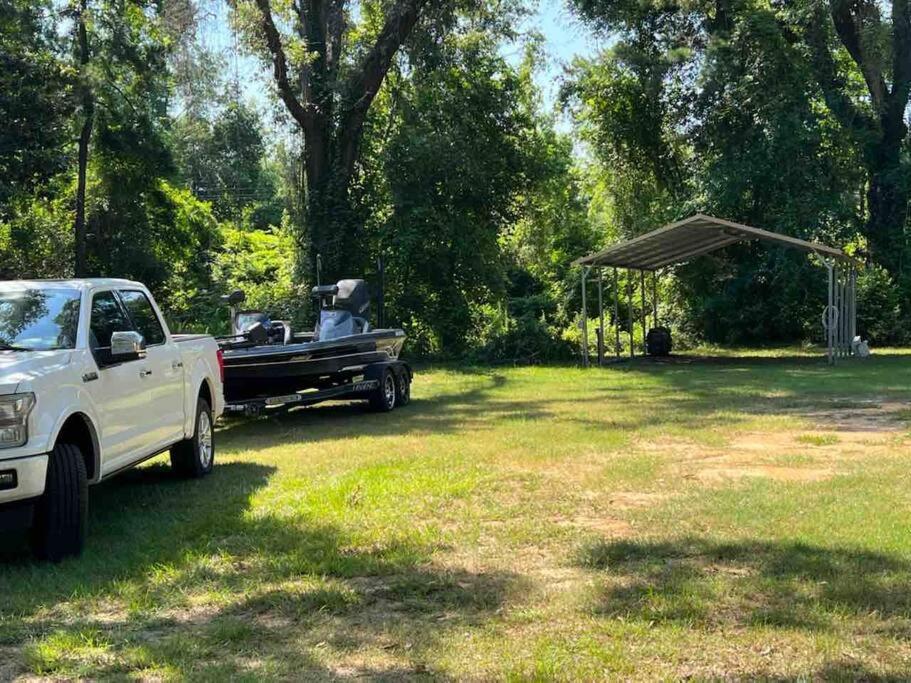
x,y
742,516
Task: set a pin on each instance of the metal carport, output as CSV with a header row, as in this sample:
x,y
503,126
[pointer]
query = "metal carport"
x,y
700,234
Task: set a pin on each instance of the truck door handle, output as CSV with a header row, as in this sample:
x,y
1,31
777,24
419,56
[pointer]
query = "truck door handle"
x,y
145,373
176,365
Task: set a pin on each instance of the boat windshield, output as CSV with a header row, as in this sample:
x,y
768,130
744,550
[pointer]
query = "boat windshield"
x,y
33,319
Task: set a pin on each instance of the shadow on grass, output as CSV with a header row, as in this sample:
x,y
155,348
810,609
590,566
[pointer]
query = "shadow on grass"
x,y
694,581
439,414
275,588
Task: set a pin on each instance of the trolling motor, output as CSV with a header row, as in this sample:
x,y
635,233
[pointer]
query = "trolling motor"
x,y
254,326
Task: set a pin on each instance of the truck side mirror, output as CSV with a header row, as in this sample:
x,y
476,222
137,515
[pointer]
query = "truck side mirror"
x,y
127,346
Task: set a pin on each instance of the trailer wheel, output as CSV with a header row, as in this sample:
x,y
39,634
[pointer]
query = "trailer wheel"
x,y
61,514
403,388
382,399
194,457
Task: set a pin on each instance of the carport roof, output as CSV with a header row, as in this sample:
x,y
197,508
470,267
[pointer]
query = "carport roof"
x,y
691,237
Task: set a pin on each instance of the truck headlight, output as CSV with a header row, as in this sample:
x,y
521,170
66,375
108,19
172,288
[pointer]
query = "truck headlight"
x,y
14,412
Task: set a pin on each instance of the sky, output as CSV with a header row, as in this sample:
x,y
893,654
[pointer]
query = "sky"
x,y
565,37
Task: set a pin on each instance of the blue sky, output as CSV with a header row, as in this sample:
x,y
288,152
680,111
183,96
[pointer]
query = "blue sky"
x,y
565,37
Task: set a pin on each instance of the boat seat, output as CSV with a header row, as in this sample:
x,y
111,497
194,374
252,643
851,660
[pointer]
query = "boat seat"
x,y
335,324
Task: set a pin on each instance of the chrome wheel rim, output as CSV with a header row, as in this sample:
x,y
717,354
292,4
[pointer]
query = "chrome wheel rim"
x,y
204,432
389,390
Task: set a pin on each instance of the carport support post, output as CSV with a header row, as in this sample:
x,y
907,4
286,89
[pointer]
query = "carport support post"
x,y
654,298
629,300
853,306
644,312
616,314
827,316
837,314
584,325
600,316
843,316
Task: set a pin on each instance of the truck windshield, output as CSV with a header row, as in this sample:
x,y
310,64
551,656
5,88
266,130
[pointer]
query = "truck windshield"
x,y
38,319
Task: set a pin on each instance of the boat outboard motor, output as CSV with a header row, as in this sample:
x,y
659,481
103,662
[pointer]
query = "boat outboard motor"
x,y
346,308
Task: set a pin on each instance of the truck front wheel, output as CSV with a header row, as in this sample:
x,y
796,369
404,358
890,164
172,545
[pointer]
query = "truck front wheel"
x,y
61,514
195,457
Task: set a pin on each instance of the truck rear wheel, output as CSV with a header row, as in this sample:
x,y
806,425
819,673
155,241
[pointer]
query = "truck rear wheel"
x,y
61,514
382,399
195,457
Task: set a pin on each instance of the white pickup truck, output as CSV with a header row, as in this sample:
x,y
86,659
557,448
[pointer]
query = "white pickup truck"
x,y
92,382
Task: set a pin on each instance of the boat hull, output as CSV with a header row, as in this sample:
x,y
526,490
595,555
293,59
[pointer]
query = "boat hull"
x,y
270,370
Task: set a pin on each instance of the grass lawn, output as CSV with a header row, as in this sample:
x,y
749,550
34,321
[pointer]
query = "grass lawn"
x,y
741,516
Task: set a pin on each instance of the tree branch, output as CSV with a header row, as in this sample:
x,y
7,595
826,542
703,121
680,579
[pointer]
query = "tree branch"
x,y
845,19
280,65
365,82
901,54
832,84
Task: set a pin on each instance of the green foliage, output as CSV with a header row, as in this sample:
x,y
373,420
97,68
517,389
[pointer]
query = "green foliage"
x,y
35,236
34,101
223,162
464,185
261,262
699,111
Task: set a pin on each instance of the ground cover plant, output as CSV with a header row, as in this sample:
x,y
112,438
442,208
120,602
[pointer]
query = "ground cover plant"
x,y
736,516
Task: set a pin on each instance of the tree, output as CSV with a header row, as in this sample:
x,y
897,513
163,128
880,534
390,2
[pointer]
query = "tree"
x,y
328,74
223,161
34,101
717,110
880,49
848,42
87,112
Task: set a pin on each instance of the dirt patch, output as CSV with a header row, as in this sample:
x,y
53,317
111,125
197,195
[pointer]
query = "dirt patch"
x,y
863,416
777,472
604,525
629,500
10,665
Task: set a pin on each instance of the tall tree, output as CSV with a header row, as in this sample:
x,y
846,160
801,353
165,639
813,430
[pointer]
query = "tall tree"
x,y
880,48
87,114
328,73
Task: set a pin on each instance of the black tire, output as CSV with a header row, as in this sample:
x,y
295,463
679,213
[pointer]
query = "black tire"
x,y
382,399
61,514
403,388
195,457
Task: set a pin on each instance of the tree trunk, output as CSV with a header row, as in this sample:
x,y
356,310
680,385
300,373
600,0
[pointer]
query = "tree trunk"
x,y
331,111
887,202
85,136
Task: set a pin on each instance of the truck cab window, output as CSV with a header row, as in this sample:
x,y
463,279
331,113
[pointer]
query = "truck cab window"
x,y
146,320
107,317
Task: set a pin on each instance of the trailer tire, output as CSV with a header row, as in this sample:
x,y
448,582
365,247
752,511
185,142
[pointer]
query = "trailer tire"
x,y
403,387
194,457
383,398
61,514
